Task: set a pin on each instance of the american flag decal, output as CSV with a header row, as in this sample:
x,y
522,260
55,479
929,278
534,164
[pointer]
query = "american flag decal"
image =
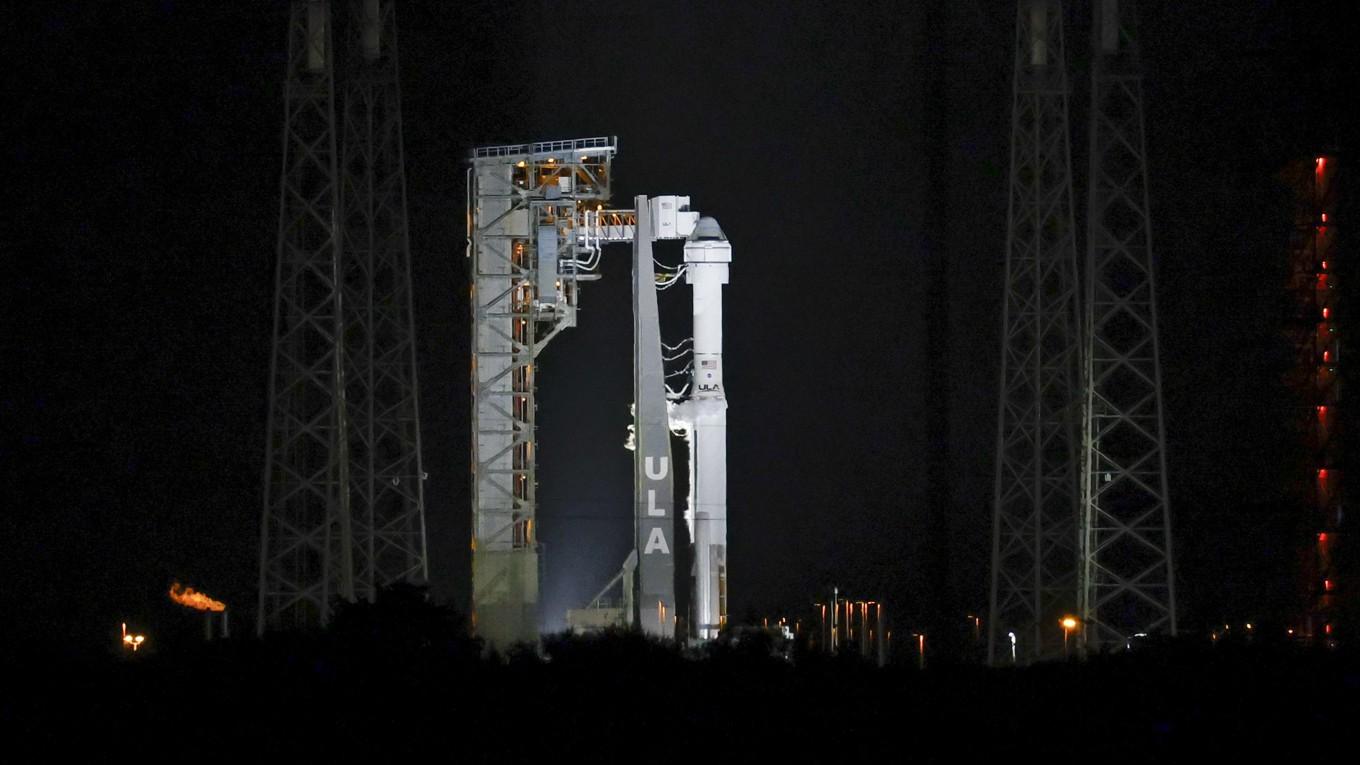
x,y
707,364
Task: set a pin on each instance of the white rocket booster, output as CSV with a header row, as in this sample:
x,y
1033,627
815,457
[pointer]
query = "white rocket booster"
x,y
707,255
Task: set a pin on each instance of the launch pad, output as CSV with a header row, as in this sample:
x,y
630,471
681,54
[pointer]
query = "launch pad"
x,y
537,229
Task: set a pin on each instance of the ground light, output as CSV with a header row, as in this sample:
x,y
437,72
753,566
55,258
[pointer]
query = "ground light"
x,y
1069,623
132,642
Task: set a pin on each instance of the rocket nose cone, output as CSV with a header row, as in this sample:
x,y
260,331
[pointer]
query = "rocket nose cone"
x,y
707,229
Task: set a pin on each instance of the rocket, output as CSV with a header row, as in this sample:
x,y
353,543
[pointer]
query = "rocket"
x,y
707,255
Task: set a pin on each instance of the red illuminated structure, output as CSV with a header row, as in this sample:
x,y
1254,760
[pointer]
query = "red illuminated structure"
x,y
1313,284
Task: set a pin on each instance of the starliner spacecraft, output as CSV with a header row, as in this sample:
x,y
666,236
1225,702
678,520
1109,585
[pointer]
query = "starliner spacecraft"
x,y
537,229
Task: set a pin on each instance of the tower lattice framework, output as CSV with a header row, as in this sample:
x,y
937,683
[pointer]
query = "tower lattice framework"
x,y
1126,579
385,471
1035,501
343,506
524,202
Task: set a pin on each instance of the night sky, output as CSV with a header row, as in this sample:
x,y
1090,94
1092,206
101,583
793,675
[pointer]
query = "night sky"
x,y
141,153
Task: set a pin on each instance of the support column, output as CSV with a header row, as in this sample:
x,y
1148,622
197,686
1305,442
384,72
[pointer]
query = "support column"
x,y
654,500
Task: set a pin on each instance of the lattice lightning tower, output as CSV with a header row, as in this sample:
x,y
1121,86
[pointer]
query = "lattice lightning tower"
x,y
1126,580
343,506
385,472
1035,502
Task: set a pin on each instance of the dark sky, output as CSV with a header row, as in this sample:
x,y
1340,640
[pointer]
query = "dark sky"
x,y
141,160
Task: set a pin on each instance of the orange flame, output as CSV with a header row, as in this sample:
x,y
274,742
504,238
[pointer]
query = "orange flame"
x,y
188,596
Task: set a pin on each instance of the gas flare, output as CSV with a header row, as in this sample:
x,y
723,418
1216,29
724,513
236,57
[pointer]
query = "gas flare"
x,y
188,596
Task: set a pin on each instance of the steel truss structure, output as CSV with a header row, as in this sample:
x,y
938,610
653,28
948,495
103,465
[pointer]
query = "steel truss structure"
x,y
1079,523
306,536
1126,579
386,475
1034,534
343,507
523,203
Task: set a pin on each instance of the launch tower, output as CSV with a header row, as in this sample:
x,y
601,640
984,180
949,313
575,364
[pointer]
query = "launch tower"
x,y
525,202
